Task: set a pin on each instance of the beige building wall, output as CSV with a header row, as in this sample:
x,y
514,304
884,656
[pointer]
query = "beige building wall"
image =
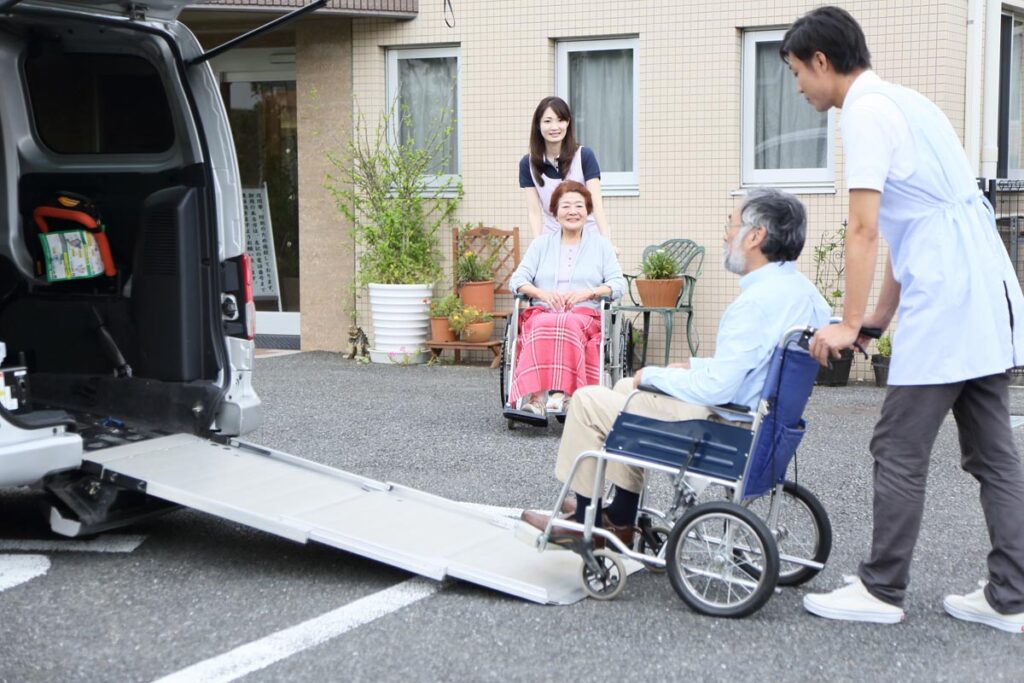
x,y
690,90
323,69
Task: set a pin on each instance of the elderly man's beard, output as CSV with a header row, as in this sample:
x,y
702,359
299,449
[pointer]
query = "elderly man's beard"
x,y
734,260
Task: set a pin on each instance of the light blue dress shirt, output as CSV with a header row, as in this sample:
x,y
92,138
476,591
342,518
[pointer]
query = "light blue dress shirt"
x,y
774,298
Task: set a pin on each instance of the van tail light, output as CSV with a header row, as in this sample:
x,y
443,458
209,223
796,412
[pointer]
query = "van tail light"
x,y
250,303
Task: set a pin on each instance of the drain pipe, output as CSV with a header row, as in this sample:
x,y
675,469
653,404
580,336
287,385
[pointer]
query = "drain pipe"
x,y
972,96
990,109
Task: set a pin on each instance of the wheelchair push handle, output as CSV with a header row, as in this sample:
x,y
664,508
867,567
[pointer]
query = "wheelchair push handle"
x,y
804,341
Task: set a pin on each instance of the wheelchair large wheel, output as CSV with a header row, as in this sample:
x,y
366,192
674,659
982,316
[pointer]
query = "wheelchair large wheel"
x,y
710,554
802,529
505,374
609,580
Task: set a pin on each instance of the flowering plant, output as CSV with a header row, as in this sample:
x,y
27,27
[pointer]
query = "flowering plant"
x,y
660,266
472,266
444,306
464,317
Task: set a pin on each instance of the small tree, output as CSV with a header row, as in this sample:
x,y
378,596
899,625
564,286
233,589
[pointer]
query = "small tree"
x,y
384,188
829,266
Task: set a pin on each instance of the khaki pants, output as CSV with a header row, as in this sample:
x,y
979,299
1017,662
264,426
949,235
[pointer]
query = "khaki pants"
x,y
592,413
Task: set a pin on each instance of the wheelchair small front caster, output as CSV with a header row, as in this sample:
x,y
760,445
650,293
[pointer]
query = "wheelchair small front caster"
x,y
607,579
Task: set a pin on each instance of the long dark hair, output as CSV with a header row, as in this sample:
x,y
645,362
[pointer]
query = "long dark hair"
x,y
569,144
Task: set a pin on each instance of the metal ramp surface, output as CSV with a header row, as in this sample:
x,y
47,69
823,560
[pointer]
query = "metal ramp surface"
x,y
304,501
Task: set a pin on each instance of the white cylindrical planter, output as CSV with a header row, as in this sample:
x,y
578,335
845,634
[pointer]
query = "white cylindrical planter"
x,y
401,324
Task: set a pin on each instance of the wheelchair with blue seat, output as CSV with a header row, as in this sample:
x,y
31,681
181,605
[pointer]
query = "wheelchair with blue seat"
x,y
615,359
725,555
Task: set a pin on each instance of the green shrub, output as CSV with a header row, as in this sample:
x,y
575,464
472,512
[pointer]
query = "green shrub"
x,y
660,266
884,345
385,189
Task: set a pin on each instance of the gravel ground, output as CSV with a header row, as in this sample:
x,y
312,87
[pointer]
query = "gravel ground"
x,y
199,586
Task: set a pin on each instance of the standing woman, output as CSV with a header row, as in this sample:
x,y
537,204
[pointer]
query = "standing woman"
x,y
556,156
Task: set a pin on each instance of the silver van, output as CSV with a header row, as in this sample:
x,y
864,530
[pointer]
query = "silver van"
x,y
126,307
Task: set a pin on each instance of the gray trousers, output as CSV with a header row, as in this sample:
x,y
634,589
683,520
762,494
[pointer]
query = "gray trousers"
x,y
901,447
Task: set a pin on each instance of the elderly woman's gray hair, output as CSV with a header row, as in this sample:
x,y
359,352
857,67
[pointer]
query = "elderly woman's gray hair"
x,y
782,215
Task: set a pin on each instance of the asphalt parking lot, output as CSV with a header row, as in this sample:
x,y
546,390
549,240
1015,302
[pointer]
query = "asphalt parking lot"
x,y
194,589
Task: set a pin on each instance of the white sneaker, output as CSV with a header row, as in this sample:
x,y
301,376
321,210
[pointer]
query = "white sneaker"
x,y
556,402
852,602
974,607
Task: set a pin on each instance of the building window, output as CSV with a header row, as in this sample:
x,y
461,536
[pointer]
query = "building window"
x,y
599,80
785,141
423,84
1011,155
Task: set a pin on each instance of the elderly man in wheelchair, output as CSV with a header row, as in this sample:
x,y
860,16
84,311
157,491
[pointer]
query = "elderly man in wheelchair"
x,y
763,238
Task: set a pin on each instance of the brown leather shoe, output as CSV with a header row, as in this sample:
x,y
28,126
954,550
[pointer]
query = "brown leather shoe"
x,y
625,533
569,505
539,520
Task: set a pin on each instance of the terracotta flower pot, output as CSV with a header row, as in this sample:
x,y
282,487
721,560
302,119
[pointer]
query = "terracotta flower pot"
x,y
478,332
478,294
659,293
439,330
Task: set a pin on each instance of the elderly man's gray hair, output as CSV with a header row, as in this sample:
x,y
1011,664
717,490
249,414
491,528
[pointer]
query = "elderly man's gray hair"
x,y
782,215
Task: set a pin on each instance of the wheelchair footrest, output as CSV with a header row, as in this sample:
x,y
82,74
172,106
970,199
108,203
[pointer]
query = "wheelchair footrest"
x,y
526,417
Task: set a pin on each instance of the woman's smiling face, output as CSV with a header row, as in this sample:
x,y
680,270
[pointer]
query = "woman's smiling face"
x,y
572,211
552,128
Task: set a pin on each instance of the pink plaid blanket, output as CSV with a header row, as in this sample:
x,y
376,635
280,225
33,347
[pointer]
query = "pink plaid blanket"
x,y
557,351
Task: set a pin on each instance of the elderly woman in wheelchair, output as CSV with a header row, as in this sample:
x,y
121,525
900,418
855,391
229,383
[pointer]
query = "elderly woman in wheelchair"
x,y
718,420
565,274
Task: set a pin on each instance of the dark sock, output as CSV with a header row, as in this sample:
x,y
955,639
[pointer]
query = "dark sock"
x,y
622,509
581,509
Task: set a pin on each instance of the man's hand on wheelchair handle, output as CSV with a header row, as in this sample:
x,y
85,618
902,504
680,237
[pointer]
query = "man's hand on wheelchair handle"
x,y
830,340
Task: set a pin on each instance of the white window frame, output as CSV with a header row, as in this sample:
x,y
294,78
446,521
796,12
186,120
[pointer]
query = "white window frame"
x,y
1012,173
617,183
812,179
391,78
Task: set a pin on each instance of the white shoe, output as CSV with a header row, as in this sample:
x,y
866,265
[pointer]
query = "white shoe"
x,y
852,602
556,402
974,607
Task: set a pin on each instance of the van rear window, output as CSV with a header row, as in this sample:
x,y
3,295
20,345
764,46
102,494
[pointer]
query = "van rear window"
x,y
98,103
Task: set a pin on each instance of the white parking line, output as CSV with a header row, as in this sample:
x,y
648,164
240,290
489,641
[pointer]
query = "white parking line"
x,y
100,544
263,652
17,569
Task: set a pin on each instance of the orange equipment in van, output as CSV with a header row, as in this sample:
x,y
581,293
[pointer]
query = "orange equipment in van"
x,y
74,208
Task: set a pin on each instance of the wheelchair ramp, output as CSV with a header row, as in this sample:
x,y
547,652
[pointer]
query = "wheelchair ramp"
x,y
304,501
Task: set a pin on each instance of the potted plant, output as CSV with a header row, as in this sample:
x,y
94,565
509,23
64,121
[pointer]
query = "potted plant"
x,y
829,267
880,360
383,185
472,324
474,274
661,284
439,310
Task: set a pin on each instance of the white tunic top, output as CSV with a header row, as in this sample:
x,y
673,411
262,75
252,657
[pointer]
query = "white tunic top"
x,y
957,285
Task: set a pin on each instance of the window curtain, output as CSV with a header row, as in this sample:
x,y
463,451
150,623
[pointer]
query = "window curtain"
x,y
601,99
427,91
788,132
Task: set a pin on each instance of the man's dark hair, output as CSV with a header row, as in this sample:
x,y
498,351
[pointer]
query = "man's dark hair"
x,y
782,215
831,31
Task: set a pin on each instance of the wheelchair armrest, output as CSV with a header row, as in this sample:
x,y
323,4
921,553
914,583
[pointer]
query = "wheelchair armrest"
x,y
734,408
737,412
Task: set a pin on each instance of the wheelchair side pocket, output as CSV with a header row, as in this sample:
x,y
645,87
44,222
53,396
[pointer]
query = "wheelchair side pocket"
x,y
771,464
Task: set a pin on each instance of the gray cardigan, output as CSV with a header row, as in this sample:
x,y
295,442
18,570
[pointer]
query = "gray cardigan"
x,y
596,265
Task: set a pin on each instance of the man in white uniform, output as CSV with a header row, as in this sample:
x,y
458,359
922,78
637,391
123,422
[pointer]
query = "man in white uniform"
x,y
961,316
